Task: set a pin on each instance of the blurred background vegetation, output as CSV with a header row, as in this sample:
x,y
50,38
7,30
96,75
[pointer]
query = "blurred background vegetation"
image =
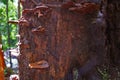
x,y
8,36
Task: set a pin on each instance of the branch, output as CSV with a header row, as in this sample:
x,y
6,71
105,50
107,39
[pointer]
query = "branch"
x,y
13,21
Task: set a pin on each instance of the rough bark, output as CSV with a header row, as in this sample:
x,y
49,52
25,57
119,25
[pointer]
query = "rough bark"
x,y
113,31
64,35
2,62
112,11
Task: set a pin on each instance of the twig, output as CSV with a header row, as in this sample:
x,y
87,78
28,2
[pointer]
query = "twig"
x,y
13,21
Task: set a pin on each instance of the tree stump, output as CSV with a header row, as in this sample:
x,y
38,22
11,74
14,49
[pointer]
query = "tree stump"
x,y
59,37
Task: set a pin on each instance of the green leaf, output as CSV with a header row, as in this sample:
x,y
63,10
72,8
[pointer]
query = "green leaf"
x,y
5,1
12,11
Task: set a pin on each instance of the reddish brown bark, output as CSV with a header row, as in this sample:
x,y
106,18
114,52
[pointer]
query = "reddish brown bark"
x,y
2,61
66,39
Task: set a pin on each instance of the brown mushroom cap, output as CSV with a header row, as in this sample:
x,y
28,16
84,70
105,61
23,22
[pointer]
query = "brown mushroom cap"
x,y
39,65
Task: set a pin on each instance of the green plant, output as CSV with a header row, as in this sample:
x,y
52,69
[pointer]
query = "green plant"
x,y
12,15
104,73
4,1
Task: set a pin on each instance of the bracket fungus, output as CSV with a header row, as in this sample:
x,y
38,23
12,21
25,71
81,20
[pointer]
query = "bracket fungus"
x,y
68,4
26,11
39,29
42,10
23,22
85,8
39,65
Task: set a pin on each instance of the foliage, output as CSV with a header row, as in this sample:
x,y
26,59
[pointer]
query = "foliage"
x,y
8,71
12,14
4,1
104,73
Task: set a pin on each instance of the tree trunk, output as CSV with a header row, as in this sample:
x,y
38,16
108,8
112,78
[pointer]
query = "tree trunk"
x,y
112,8
113,31
59,37
2,61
